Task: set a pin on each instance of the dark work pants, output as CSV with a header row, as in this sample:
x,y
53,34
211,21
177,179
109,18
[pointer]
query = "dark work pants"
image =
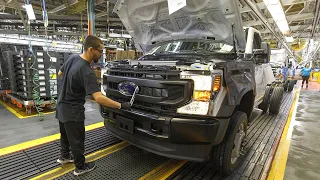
x,y
73,135
305,78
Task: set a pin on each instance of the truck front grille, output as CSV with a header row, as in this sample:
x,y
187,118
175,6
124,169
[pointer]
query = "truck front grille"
x,y
161,94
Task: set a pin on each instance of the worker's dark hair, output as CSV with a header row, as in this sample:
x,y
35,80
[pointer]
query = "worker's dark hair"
x,y
91,41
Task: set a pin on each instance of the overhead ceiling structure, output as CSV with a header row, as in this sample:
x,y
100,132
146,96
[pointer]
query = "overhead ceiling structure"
x,y
301,16
68,18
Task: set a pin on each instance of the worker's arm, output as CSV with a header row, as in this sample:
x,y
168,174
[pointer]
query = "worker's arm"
x,y
103,100
92,87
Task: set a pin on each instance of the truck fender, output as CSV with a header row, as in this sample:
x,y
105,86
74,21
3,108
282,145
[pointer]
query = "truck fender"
x,y
240,78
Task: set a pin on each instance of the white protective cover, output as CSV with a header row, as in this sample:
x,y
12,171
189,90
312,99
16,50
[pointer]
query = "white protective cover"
x,y
149,22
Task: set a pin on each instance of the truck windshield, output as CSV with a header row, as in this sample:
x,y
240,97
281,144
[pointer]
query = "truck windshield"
x,y
178,47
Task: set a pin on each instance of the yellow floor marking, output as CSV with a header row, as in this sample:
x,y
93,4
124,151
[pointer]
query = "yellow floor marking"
x,y
19,115
259,98
279,162
11,110
163,171
23,117
37,142
91,157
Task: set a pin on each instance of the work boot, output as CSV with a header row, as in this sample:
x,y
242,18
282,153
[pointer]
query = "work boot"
x,y
63,160
87,168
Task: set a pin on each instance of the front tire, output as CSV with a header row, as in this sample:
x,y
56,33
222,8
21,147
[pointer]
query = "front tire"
x,y
228,154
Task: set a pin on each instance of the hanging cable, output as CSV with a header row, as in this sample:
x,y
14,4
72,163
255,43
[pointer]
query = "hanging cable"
x,y
35,92
53,96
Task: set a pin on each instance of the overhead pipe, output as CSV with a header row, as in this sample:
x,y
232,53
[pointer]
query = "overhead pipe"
x,y
256,10
316,18
91,17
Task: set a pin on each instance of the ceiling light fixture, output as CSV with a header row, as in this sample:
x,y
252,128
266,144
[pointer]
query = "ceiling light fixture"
x,y
30,11
277,13
289,39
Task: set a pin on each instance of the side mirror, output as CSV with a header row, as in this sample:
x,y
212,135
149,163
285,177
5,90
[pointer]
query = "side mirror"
x,y
262,55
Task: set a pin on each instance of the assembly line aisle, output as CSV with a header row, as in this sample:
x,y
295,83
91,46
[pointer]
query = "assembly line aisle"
x,y
119,160
304,152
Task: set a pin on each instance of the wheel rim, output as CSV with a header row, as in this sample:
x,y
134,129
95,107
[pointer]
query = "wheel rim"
x,y
237,144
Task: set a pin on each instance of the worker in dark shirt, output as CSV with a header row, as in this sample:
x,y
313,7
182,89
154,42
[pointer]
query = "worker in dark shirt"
x,y
79,80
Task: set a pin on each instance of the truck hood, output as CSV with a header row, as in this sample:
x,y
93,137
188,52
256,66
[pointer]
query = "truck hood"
x,y
149,22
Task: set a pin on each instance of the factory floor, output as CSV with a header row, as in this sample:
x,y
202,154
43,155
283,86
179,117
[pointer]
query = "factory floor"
x,y
297,156
14,130
285,146
304,153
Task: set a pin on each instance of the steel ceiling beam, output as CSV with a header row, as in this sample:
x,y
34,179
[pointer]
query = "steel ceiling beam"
x,y
21,16
316,19
264,21
261,5
300,35
294,17
292,28
60,18
63,6
18,6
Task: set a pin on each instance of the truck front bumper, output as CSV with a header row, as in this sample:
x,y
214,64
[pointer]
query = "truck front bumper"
x,y
185,138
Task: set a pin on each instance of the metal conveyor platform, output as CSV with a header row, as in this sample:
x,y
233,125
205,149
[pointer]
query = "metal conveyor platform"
x,y
133,163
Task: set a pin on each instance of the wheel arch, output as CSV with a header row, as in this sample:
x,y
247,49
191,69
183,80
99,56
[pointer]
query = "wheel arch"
x,y
246,103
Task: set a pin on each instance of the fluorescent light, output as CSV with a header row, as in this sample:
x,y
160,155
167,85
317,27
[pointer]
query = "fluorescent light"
x,y
289,39
277,13
30,11
115,35
126,36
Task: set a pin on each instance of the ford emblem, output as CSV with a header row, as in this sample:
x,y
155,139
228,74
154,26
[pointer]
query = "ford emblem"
x,y
127,88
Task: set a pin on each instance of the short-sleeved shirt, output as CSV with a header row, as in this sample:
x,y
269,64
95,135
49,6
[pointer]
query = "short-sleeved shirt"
x,y
78,80
306,71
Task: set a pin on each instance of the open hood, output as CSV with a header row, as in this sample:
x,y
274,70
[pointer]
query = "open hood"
x,y
149,22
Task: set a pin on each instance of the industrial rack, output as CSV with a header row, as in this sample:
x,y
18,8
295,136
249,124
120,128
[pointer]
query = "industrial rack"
x,y
29,74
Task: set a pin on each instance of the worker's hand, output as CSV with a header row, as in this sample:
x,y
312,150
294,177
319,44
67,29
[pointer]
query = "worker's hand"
x,y
125,106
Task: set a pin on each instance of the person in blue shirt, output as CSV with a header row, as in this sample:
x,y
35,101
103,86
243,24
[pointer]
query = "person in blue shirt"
x,y
305,73
284,72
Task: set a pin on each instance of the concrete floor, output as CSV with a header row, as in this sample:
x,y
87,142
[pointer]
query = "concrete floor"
x,y
304,153
14,130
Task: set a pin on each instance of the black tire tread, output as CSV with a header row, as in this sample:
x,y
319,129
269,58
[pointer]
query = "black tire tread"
x,y
275,100
264,105
219,151
285,85
291,85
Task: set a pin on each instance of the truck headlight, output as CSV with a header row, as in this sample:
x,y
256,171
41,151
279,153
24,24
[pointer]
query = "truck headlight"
x,y
205,87
202,86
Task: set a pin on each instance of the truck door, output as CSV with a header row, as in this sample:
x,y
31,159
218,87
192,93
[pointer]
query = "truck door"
x,y
259,71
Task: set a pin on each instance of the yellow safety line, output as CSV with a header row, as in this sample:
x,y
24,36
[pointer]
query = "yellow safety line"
x,y
11,110
37,142
279,162
19,115
258,99
163,171
23,117
91,157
